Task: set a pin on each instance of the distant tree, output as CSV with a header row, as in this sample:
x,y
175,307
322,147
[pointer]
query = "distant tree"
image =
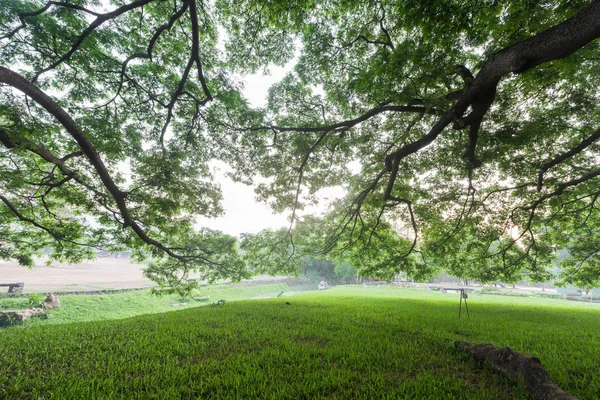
x,y
345,272
470,119
581,267
319,269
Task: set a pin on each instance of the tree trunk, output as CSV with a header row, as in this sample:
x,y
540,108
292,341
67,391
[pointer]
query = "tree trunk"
x,y
513,365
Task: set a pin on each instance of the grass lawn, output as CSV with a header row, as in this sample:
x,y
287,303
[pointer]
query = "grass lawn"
x,y
347,342
98,307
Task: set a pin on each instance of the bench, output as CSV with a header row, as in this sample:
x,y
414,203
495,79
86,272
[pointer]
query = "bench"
x,y
14,287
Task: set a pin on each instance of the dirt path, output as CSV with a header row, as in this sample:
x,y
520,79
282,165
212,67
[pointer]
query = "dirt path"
x,y
102,273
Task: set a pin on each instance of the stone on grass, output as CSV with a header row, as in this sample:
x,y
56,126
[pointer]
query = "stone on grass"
x,y
51,301
22,315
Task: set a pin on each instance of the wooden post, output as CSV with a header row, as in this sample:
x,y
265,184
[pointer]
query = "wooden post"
x,y
463,295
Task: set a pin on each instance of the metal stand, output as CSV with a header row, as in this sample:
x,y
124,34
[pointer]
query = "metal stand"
x,y
463,295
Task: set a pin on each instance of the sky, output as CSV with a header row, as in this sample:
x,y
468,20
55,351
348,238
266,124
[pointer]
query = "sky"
x,y
242,213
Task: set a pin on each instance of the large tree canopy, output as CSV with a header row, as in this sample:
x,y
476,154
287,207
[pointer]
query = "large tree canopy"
x,y
474,125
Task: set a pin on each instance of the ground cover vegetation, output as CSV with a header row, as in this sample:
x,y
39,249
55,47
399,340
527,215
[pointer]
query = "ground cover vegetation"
x,y
100,307
347,342
473,125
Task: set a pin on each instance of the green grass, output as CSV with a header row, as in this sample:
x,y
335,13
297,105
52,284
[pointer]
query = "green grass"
x,y
98,307
347,342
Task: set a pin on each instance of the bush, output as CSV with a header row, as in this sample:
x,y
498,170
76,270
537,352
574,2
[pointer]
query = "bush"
x,y
35,299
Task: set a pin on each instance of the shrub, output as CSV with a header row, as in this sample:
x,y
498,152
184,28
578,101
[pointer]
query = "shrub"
x,y
35,299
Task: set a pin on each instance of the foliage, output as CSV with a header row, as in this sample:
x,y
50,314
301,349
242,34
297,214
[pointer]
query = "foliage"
x,y
382,343
102,307
474,124
35,299
270,250
319,269
345,272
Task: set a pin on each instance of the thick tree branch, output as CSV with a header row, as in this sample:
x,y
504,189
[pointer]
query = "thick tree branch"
x,y
352,122
178,91
388,41
18,82
149,50
196,50
554,43
194,59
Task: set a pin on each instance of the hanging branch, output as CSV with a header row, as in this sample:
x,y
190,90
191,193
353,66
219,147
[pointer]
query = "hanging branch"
x,y
20,83
193,59
554,43
42,10
149,50
100,19
565,156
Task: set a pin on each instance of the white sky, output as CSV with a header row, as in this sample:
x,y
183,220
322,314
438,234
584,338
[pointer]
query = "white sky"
x,y
242,213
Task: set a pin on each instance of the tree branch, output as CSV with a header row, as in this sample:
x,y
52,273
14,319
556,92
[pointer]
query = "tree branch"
x,y
42,10
554,43
564,156
100,19
149,50
56,236
194,59
352,122
18,82
388,42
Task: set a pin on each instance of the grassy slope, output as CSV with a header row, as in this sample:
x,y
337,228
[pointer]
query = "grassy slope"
x,y
81,308
343,343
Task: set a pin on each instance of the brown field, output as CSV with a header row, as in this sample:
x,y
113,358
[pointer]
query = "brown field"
x,y
102,273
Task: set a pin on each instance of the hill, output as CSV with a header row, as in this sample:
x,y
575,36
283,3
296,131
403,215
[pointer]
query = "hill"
x,y
347,342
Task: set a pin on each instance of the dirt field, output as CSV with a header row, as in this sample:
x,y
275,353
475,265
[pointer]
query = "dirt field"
x,y
102,273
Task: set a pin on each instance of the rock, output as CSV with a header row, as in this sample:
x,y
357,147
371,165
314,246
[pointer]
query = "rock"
x,y
51,301
22,315
323,285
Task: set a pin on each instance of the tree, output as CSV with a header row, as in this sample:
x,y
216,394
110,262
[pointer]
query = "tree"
x,y
317,270
469,119
345,272
474,124
100,115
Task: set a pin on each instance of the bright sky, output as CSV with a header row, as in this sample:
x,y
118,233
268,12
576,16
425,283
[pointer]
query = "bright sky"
x,y
242,213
